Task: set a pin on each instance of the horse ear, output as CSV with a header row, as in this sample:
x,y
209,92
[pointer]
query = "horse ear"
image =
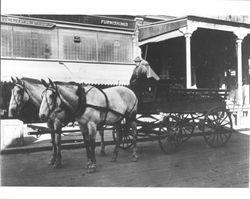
x,y
18,80
44,83
51,83
13,80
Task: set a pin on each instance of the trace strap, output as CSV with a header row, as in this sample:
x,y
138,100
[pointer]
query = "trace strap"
x,y
82,104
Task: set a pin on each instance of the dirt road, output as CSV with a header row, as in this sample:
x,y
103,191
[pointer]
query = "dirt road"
x,y
194,165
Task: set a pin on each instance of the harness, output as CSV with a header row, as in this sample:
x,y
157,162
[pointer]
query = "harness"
x,y
23,89
62,106
82,104
27,112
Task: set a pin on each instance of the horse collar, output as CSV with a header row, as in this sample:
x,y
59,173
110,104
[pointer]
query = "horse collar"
x,y
81,100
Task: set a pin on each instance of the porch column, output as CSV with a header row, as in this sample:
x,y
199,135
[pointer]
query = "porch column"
x,y
240,36
188,60
239,71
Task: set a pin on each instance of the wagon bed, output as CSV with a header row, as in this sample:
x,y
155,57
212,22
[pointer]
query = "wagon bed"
x,y
158,98
174,115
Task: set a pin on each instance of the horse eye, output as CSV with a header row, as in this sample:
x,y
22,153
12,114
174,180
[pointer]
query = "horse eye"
x,y
53,96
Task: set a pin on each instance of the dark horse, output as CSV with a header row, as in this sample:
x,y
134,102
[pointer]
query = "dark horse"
x,y
91,107
26,97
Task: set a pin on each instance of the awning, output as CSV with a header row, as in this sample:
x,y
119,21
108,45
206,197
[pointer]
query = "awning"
x,y
90,73
177,27
163,37
161,31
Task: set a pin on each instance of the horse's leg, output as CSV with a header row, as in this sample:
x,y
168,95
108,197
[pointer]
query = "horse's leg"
x,y
53,142
92,135
85,135
116,149
133,125
54,149
58,162
101,132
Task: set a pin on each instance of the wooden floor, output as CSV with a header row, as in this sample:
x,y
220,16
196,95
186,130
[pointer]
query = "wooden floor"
x,y
194,165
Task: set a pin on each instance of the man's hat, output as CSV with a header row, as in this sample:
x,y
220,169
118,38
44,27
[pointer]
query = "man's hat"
x,y
137,59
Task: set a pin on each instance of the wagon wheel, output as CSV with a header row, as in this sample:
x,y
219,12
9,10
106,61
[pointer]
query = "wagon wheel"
x,y
187,125
168,134
217,127
126,136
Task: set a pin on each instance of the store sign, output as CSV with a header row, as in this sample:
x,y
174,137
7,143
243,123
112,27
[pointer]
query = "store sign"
x,y
114,23
90,20
109,22
27,22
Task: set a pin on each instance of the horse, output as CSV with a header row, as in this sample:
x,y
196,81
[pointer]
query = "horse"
x,y
27,92
91,107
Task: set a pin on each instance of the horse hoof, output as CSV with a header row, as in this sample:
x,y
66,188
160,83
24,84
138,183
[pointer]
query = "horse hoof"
x,y
113,159
57,165
134,158
91,168
52,161
88,165
103,153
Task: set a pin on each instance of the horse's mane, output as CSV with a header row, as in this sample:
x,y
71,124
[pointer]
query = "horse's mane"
x,y
31,80
69,83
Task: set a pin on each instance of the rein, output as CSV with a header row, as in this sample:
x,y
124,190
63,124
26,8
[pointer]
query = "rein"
x,y
82,105
48,105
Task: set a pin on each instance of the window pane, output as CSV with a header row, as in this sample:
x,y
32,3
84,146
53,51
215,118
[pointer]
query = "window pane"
x,y
6,41
78,45
114,47
35,43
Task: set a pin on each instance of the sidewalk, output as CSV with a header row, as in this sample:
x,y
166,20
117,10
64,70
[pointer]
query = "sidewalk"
x,y
33,143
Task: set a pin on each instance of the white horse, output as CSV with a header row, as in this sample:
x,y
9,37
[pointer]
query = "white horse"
x,y
91,107
29,91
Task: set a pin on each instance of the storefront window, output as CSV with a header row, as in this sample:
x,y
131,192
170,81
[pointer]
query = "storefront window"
x,y
6,41
78,45
114,47
34,43
65,44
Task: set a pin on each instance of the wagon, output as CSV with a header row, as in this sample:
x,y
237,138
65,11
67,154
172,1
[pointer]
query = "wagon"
x,y
173,115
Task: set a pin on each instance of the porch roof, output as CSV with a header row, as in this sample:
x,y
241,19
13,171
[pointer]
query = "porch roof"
x,y
177,27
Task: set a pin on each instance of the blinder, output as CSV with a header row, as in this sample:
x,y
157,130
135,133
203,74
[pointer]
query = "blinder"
x,y
21,93
54,95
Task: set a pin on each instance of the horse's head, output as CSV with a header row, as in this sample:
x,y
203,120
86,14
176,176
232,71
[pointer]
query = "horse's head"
x,y
19,97
51,101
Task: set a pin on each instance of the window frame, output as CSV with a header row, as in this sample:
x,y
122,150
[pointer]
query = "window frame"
x,y
58,45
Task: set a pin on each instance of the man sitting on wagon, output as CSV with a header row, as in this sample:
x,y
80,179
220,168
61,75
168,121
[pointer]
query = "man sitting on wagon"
x,y
140,77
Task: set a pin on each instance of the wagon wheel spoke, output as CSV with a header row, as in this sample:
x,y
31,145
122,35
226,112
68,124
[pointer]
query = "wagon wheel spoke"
x,y
218,129
167,135
187,132
222,120
125,138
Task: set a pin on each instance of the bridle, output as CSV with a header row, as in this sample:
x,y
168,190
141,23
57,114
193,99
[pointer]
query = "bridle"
x,y
55,105
81,106
23,90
